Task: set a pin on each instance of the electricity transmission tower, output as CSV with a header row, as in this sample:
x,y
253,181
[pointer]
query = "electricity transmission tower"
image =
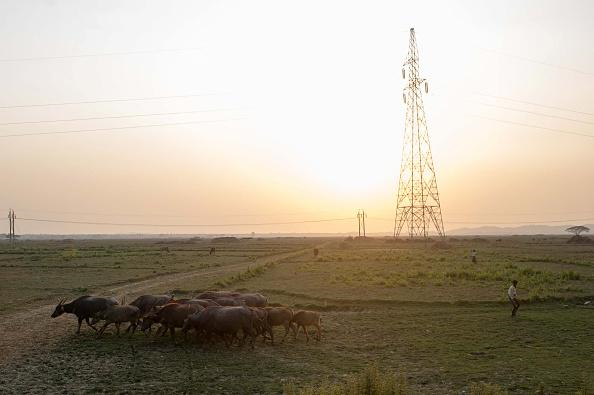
x,y
417,206
361,218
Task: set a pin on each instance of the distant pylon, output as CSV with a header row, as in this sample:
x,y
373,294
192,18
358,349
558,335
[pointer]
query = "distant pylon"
x,y
361,218
417,206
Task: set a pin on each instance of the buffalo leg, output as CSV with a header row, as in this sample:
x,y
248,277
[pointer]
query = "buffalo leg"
x,y
296,332
287,326
117,324
172,332
306,334
89,324
159,330
162,330
102,329
253,336
319,334
80,319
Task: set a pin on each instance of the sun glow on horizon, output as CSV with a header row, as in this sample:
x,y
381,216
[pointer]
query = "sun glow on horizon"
x,y
302,112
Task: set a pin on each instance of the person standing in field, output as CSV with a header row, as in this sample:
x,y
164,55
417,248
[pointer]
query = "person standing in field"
x,y
473,255
512,294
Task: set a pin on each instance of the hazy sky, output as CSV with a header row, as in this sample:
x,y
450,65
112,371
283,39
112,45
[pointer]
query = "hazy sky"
x,y
306,103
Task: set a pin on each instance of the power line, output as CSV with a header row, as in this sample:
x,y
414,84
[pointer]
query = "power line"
x,y
534,104
522,222
141,52
505,223
117,128
525,59
185,225
115,116
537,127
112,214
289,222
534,113
108,100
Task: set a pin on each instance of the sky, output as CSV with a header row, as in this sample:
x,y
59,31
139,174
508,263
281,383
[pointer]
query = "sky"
x,y
263,112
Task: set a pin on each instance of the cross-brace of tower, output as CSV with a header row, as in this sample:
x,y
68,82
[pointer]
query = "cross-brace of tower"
x,y
417,207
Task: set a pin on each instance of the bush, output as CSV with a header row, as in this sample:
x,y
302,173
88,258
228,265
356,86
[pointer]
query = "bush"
x,y
369,382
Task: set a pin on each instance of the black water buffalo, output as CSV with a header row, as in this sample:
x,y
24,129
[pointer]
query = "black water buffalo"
x,y
227,301
216,294
84,308
145,303
117,315
223,321
278,316
228,298
170,316
252,300
201,302
305,318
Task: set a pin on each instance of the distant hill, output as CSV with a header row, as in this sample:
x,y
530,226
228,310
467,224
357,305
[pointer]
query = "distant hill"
x,y
514,230
475,231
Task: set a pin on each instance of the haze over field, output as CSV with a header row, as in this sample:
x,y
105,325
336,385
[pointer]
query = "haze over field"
x,y
300,115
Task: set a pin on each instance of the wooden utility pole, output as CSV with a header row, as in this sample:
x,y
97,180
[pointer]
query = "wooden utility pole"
x,y
363,218
11,218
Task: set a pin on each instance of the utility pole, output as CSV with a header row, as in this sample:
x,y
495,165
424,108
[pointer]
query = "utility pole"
x,y
361,219
417,206
11,221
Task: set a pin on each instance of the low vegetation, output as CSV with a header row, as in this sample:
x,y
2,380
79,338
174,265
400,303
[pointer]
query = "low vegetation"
x,y
429,312
370,381
249,273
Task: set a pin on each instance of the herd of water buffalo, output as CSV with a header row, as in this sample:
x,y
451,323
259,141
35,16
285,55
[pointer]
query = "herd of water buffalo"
x,y
212,315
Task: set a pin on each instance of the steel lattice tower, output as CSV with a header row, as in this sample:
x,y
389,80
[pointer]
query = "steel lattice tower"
x,y
417,206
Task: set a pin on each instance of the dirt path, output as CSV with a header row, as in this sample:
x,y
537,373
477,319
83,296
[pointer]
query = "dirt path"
x,y
33,329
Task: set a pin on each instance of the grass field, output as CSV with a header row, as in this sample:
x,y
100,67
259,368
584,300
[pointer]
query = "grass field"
x,y
421,310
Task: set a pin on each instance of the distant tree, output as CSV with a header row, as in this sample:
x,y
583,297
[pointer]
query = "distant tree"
x,y
577,230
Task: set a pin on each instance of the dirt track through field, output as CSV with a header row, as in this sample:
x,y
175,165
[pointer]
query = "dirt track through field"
x,y
33,329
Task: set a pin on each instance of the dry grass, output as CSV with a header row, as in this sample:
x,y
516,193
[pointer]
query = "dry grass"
x,y
370,381
444,324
